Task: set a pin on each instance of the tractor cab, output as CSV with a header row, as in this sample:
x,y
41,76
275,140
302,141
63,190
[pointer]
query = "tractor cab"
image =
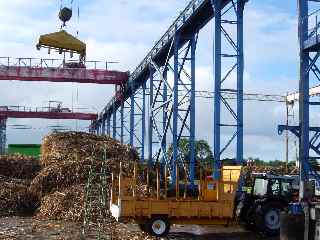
x,y
267,185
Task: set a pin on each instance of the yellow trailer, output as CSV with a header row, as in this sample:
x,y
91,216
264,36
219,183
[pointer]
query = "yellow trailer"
x,y
213,205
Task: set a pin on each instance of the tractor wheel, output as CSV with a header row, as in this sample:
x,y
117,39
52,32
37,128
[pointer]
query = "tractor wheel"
x,y
158,226
245,216
268,218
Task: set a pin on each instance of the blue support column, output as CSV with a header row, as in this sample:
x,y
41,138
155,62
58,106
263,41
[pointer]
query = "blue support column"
x,y
103,127
164,112
114,123
132,124
122,123
108,126
175,108
150,118
143,123
98,130
217,90
192,113
304,92
240,70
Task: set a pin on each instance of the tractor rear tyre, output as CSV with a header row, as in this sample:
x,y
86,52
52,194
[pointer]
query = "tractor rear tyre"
x,y
268,218
158,226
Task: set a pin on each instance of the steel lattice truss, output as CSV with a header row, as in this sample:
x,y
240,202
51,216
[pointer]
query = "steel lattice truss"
x,y
172,106
228,60
168,71
309,75
138,120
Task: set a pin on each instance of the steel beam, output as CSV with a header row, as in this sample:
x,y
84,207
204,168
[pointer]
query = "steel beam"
x,y
230,60
303,92
150,118
132,123
175,109
108,126
240,70
217,88
122,123
192,137
47,114
103,130
164,114
114,123
143,124
80,75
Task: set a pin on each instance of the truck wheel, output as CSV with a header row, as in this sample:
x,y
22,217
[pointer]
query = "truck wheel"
x,y
268,219
158,226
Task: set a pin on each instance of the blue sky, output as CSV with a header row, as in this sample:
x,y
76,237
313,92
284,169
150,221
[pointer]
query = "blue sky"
x,y
125,30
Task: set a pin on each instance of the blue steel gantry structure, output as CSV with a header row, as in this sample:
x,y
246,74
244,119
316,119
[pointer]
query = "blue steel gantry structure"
x,y
156,107
309,42
309,73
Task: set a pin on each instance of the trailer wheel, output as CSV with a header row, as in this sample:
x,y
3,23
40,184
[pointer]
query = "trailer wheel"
x,y
158,226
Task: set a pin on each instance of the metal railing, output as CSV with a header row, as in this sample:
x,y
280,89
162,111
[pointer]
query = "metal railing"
x,y
51,63
45,109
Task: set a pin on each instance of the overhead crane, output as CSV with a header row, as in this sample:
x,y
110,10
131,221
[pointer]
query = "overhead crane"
x,y
54,70
7,112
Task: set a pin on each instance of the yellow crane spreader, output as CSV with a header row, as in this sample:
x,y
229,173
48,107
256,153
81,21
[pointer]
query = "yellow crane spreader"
x,y
63,42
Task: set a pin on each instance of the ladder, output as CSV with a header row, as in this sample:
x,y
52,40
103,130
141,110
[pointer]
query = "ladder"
x,y
95,205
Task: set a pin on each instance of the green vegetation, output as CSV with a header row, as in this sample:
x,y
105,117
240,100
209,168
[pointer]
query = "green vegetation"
x,y
202,149
204,155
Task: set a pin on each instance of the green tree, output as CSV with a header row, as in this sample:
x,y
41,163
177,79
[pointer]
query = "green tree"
x,y
202,150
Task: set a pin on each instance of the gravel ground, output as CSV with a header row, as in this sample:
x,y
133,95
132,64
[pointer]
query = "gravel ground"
x,y
16,228
214,233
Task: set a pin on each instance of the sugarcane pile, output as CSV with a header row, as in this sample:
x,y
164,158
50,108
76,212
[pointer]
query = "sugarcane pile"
x,y
19,166
16,172
15,199
67,160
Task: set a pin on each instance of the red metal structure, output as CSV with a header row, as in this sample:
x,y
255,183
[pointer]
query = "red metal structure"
x,y
56,112
56,70
44,113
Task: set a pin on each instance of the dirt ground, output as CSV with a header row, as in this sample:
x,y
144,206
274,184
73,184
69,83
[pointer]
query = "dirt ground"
x,y
15,228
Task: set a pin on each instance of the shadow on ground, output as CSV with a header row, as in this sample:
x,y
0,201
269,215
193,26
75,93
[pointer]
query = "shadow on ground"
x,y
214,233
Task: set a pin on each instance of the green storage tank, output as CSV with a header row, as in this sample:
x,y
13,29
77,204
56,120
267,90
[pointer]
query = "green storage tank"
x,y
33,150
